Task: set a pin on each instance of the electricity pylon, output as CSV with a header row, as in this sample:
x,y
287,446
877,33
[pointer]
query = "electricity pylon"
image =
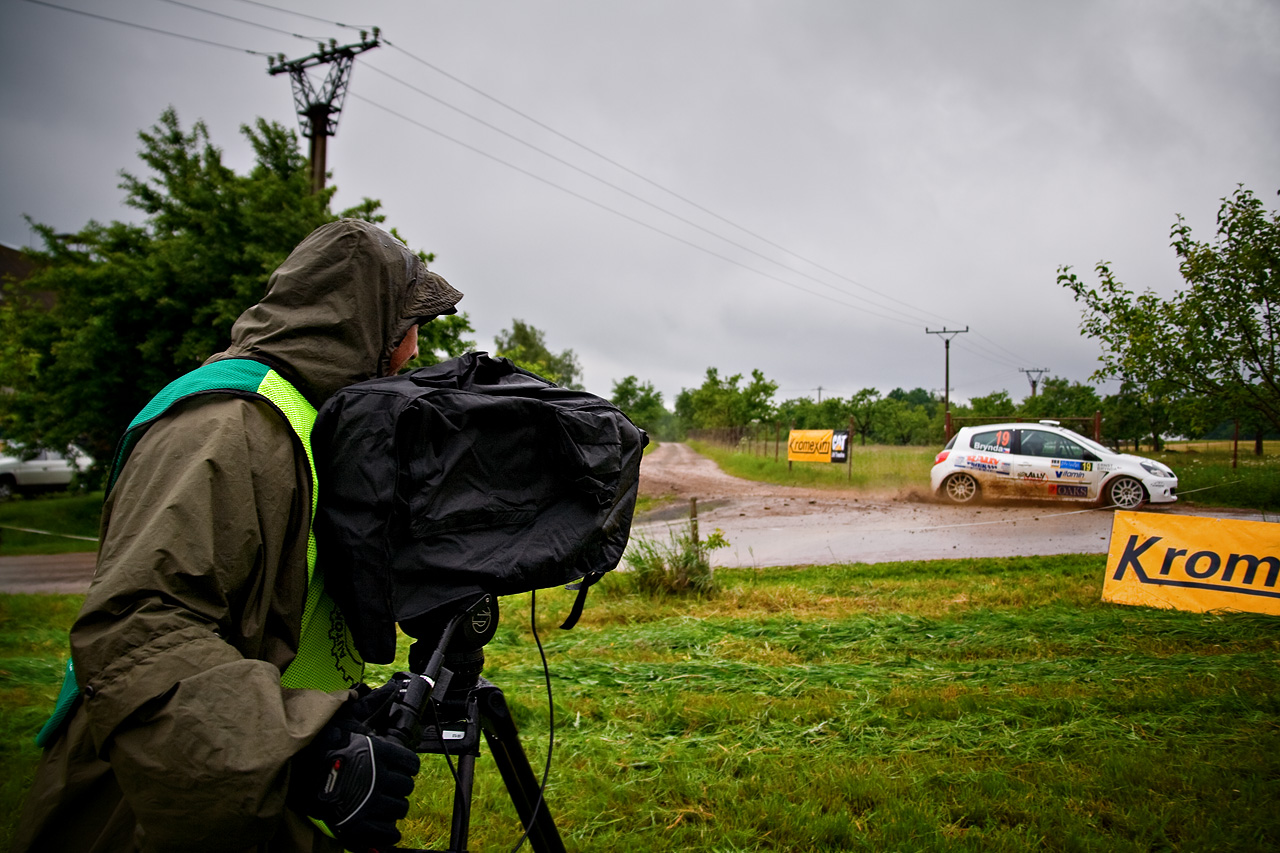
x,y
318,111
1033,376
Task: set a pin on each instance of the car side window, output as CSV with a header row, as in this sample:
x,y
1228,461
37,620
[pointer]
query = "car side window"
x,y
1033,443
1049,445
1068,449
994,441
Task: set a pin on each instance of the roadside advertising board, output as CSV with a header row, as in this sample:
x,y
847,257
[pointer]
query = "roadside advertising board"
x,y
1193,563
817,445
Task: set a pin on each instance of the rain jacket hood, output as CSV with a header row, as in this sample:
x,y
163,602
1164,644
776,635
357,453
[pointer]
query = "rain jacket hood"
x,y
338,307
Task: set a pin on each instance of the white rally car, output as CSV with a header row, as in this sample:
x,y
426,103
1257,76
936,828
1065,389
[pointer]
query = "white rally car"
x,y
1045,461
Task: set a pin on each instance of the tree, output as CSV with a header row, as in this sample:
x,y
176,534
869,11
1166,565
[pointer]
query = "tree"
x,y
643,404
997,404
863,406
1060,398
1218,337
527,347
136,306
901,421
721,403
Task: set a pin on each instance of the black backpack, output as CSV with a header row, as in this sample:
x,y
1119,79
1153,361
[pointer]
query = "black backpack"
x,y
471,476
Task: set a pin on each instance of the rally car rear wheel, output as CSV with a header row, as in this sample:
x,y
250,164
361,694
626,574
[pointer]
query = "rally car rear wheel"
x,y
960,488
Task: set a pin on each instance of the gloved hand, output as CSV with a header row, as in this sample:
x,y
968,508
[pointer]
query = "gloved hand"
x,y
356,782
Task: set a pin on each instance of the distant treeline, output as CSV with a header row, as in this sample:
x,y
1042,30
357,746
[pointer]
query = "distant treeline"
x,y
917,417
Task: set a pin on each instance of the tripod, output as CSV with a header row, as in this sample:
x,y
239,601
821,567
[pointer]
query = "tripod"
x,y
465,706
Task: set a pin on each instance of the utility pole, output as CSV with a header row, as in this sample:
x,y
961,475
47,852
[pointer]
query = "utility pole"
x,y
1033,376
947,335
318,111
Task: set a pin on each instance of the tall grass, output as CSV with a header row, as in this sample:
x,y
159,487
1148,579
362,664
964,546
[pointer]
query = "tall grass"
x,y
925,706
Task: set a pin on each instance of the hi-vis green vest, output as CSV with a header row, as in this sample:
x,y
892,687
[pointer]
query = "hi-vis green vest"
x,y
327,658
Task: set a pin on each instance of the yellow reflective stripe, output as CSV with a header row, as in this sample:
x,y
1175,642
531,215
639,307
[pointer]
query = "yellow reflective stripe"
x,y
326,659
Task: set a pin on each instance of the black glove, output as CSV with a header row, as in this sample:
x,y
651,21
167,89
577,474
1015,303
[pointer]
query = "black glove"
x,y
355,782
373,705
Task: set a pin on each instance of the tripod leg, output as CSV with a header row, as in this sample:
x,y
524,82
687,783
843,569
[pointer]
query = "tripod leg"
x,y
504,742
461,826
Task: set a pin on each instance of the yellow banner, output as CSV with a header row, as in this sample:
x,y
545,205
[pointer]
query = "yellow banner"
x,y
809,445
1193,563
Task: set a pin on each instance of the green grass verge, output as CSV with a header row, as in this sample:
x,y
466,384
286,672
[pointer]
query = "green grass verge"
x,y
947,705
57,513
875,468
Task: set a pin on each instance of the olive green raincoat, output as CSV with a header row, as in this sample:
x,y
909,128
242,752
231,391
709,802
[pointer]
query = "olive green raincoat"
x,y
183,735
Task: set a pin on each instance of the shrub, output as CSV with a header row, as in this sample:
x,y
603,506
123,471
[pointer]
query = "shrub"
x,y
679,567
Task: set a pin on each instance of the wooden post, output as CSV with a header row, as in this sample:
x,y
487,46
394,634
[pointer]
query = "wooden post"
x,y
793,426
693,523
1097,425
777,440
848,449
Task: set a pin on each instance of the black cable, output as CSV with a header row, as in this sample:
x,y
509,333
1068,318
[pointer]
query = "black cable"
x,y
551,719
149,29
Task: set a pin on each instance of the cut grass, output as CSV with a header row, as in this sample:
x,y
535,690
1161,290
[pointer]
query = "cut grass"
x,y
949,705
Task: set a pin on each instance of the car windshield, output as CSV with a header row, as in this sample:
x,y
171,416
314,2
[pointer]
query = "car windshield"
x,y
1089,443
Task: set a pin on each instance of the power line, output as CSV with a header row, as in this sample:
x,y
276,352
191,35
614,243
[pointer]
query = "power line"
x,y
531,119
617,188
550,129
305,15
618,213
659,186
145,28
239,20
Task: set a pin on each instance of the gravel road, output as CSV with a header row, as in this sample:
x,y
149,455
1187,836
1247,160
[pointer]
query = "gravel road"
x,y
778,526
769,525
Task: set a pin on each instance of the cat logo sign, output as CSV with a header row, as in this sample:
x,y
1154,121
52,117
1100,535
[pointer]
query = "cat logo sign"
x,y
1193,563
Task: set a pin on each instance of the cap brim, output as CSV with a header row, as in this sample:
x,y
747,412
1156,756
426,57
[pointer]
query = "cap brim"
x,y
432,296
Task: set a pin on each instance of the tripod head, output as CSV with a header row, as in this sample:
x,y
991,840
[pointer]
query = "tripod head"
x,y
445,661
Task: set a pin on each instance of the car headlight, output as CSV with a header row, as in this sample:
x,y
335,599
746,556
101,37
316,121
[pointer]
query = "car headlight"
x,y
1155,470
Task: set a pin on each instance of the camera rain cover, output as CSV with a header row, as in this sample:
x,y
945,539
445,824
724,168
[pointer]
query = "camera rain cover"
x,y
470,476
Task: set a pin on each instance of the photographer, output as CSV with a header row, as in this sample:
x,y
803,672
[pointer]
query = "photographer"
x,y
218,688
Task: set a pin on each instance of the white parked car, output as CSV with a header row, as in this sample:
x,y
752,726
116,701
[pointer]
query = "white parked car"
x,y
45,470
1045,461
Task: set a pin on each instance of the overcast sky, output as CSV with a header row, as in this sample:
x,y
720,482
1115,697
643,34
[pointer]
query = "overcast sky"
x,y
802,188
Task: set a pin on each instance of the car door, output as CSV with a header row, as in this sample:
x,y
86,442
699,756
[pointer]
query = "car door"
x,y
1051,465
1075,476
1032,465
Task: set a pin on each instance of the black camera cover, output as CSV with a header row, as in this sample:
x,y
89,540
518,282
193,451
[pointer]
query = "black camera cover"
x,y
470,476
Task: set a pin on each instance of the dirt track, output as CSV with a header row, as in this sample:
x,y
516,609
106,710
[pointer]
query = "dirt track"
x,y
777,525
770,525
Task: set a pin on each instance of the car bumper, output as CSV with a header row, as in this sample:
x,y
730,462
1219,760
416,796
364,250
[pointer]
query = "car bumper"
x,y
1162,491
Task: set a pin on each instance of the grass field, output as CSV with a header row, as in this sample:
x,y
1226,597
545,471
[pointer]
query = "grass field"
x,y
992,705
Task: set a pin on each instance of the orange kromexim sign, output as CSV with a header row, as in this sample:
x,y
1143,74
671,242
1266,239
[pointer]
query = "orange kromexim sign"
x,y
1193,563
